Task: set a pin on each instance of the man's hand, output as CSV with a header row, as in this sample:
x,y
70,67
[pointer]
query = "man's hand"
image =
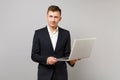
x,y
51,60
72,62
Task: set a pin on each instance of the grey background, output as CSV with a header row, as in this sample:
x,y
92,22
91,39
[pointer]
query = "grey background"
x,y
84,18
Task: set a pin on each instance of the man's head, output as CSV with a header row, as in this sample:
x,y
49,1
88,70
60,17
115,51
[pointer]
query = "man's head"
x,y
53,16
54,8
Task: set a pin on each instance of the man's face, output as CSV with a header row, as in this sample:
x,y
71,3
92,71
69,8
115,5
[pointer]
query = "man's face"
x,y
53,18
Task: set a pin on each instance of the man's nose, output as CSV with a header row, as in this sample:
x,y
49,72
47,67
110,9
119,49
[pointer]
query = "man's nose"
x,y
53,19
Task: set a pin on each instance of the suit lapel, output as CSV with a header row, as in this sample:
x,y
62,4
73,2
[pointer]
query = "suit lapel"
x,y
58,40
47,37
49,40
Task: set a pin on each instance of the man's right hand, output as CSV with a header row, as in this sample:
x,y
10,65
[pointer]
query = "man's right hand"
x,y
72,62
51,60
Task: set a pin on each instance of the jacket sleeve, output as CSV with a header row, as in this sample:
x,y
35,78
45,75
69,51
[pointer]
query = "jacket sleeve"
x,y
68,48
68,45
35,54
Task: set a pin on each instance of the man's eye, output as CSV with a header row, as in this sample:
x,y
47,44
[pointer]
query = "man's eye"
x,y
56,16
50,16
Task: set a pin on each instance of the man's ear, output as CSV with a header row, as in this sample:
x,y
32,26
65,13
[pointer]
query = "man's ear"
x,y
60,18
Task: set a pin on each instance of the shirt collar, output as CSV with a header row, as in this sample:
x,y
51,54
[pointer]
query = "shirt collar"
x,y
56,30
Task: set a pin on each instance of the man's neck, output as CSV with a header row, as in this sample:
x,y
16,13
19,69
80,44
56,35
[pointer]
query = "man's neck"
x,y
52,29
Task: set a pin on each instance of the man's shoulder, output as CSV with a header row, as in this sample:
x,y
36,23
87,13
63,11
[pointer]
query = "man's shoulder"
x,y
62,29
41,29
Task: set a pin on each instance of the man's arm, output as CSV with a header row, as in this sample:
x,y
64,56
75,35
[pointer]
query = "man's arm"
x,y
35,55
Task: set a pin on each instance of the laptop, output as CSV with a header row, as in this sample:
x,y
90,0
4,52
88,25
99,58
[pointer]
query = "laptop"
x,y
81,49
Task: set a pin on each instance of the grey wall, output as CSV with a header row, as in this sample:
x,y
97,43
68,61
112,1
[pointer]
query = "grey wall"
x,y
84,18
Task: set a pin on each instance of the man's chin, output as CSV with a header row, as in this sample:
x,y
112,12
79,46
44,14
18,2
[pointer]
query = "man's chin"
x,y
53,26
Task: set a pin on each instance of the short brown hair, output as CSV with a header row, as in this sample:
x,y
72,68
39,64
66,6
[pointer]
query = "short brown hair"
x,y
54,8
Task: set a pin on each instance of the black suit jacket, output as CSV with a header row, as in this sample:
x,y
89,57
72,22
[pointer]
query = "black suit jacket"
x,y
42,49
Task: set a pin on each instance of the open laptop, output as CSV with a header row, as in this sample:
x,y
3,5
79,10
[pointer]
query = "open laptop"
x,y
81,49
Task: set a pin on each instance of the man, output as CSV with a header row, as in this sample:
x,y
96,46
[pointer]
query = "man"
x,y
50,43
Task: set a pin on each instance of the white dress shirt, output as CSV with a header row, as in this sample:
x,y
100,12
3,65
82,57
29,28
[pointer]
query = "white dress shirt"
x,y
53,36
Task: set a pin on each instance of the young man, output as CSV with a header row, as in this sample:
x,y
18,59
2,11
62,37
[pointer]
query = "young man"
x,y
50,43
